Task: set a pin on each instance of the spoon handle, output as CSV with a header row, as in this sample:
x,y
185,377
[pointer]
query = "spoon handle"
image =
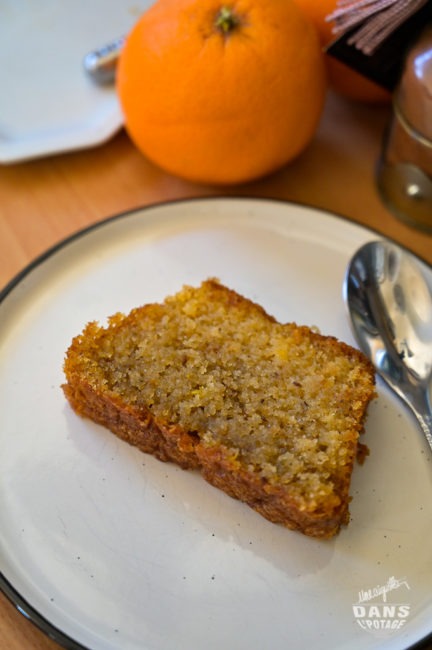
x,y
101,64
422,410
426,424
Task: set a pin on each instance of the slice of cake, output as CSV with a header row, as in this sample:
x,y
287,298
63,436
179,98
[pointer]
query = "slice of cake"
x,y
270,413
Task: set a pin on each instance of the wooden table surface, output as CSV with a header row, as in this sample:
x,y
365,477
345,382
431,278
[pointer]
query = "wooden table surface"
x,y
45,200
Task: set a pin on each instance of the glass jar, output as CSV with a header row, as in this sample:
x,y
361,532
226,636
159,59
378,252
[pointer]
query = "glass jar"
x,y
404,170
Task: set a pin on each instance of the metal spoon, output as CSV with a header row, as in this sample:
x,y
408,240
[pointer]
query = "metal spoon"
x,y
101,64
388,292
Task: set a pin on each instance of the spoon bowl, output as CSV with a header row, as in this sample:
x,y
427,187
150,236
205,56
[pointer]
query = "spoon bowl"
x,y
388,292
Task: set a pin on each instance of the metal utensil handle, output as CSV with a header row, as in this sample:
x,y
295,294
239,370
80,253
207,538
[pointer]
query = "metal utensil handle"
x,y
425,421
101,64
421,408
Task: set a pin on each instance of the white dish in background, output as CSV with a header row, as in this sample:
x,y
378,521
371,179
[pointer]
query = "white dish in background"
x,y
109,549
48,103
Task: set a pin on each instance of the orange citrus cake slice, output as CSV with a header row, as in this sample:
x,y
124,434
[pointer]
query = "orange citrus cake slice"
x,y
270,413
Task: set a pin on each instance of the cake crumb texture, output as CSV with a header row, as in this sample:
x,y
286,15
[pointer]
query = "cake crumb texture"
x,y
269,412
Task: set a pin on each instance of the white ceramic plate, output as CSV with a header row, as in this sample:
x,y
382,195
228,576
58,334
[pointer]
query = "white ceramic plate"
x,y
48,103
109,549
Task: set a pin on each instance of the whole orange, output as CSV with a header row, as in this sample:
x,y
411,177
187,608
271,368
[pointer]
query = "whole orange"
x,y
342,78
221,93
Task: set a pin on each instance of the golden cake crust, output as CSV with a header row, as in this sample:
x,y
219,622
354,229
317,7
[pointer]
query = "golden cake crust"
x,y
291,464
